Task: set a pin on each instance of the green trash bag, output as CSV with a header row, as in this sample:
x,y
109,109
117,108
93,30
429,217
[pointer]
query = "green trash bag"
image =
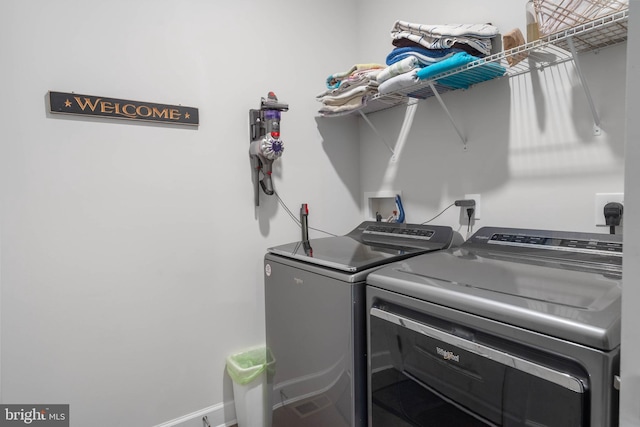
x,y
246,366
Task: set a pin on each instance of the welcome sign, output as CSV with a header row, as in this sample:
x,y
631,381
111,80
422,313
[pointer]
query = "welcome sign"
x,y
90,105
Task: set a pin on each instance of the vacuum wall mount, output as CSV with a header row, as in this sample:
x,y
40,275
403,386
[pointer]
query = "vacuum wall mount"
x,y
265,144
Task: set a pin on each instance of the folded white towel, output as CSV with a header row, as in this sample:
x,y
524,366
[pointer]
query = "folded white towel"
x,y
399,82
400,67
452,30
346,97
352,105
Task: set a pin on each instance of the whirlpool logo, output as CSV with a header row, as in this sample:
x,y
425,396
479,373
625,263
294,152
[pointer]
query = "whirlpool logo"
x,y
448,355
34,415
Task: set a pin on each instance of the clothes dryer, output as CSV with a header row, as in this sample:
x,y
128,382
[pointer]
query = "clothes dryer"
x,y
516,327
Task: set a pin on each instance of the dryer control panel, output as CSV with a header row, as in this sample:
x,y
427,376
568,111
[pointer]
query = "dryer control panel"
x,y
601,248
563,244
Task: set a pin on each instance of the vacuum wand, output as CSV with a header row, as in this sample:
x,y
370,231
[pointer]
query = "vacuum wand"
x,y
304,225
304,221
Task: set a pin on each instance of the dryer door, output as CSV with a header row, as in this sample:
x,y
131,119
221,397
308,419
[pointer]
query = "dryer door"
x,y
435,378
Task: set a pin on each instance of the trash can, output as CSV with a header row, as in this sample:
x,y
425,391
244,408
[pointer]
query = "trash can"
x,y
252,398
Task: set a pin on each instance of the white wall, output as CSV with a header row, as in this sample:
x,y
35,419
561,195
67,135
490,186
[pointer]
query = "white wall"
x,y
630,369
531,152
131,254
531,155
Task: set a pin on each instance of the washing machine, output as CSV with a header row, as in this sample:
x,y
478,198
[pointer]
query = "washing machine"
x,y
316,318
516,327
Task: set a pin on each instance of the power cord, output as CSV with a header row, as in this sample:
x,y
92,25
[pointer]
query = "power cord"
x,y
470,212
441,212
287,210
468,203
294,218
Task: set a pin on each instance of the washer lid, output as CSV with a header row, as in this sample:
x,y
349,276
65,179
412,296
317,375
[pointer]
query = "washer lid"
x,y
569,299
369,245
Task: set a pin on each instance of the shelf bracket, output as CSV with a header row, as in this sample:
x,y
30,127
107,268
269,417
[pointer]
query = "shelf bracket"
x,y
384,141
596,119
446,110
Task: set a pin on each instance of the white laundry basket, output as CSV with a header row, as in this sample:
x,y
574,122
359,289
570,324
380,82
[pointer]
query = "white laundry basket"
x,y
249,371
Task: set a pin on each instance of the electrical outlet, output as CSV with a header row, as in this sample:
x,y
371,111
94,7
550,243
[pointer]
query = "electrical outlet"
x,y
602,199
477,212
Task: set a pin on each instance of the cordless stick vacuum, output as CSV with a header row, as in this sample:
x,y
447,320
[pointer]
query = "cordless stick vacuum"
x,y
265,143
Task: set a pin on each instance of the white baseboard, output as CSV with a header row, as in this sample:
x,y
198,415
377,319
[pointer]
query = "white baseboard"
x,y
215,416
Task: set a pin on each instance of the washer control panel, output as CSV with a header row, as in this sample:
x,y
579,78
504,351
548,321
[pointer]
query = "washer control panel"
x,y
392,230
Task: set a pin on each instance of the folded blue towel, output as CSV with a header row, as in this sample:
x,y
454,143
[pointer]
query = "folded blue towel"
x,y
425,56
464,79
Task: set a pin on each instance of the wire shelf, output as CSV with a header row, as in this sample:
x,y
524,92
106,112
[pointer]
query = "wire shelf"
x,y
556,15
549,50
371,105
602,32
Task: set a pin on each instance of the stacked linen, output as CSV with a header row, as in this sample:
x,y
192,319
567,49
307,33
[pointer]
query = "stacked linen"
x,y
403,63
436,49
473,37
349,90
